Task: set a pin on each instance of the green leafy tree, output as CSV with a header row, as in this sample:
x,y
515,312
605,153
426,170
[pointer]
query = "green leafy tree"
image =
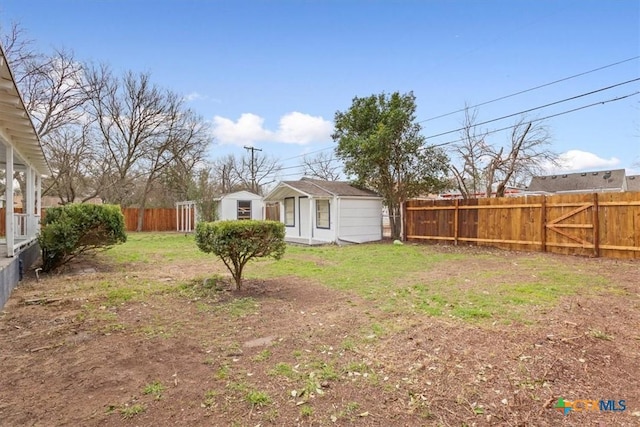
x,y
237,242
74,229
380,143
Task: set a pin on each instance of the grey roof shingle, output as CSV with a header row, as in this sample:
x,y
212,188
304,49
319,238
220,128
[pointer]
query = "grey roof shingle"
x,y
581,181
320,188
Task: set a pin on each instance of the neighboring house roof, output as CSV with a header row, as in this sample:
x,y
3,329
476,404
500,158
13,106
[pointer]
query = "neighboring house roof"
x,y
633,183
319,188
238,194
17,127
611,180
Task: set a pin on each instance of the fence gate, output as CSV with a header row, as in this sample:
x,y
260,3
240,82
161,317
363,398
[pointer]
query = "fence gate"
x,y
579,224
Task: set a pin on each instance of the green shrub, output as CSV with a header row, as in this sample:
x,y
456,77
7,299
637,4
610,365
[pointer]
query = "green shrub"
x,y
73,229
236,242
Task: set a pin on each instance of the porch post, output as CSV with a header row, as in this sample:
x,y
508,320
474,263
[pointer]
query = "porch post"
x,y
38,201
8,220
312,203
30,205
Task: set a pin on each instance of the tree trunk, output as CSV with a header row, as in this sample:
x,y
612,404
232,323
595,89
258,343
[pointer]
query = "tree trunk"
x,y
395,222
143,204
140,225
237,275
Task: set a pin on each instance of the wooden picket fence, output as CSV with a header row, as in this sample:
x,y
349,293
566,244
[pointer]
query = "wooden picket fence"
x,y
598,224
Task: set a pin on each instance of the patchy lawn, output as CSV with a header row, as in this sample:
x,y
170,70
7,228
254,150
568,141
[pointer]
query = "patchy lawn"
x,y
150,333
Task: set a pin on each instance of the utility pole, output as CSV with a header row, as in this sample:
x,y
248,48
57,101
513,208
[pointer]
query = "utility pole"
x,y
224,180
253,169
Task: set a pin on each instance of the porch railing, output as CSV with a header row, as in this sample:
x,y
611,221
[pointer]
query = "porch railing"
x,y
20,225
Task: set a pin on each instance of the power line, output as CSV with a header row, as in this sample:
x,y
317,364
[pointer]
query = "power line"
x,y
503,117
310,152
276,173
532,89
546,117
540,107
505,97
310,163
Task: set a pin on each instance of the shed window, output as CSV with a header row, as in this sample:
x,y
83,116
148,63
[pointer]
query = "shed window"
x,y
244,209
322,214
290,211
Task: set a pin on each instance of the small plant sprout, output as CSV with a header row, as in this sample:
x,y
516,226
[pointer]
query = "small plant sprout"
x,y
262,356
596,333
223,372
306,411
209,398
258,398
129,412
155,388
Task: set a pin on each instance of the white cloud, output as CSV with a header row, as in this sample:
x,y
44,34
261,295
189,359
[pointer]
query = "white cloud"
x,y
582,160
193,96
247,130
299,128
294,128
578,160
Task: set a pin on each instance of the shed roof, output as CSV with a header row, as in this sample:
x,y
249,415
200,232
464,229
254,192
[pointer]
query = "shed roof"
x,y
16,127
320,188
582,181
238,194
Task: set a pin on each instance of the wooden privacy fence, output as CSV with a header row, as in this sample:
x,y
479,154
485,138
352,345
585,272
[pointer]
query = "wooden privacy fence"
x,y
156,219
272,211
598,224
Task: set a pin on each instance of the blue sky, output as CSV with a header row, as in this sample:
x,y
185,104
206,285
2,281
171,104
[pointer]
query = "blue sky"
x,y
273,73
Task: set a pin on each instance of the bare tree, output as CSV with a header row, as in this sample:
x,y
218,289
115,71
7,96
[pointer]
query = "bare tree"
x,y
483,166
183,143
54,91
469,172
143,130
235,173
223,172
19,50
205,190
52,87
322,166
76,167
105,135
262,171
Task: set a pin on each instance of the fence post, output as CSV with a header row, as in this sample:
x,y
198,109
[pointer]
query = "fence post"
x,y
543,223
596,226
456,217
403,221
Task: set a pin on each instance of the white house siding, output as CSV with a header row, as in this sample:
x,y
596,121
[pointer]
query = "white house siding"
x,y
228,205
360,220
325,234
305,211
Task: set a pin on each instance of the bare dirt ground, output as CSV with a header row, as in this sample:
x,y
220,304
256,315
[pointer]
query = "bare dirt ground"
x,y
289,352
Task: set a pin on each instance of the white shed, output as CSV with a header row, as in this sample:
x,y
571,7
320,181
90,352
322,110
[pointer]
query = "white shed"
x,y
240,205
316,212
